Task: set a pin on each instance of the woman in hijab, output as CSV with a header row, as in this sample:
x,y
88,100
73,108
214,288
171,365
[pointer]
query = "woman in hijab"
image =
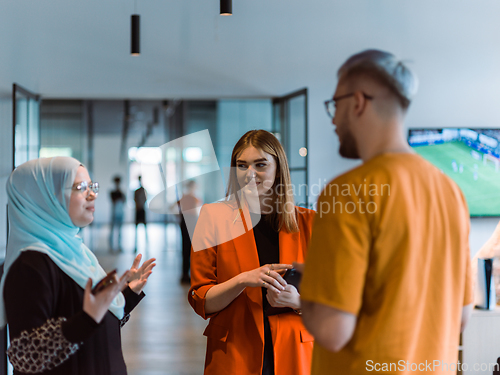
x,y
57,325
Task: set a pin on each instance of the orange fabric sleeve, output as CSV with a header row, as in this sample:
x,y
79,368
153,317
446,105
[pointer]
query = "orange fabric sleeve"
x,y
337,258
203,263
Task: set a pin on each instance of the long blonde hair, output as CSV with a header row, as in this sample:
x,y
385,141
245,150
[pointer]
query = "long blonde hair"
x,y
282,216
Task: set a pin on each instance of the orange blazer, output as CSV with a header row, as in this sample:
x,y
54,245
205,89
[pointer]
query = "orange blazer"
x,y
224,247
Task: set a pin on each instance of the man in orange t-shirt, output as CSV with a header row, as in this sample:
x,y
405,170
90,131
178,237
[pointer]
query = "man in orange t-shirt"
x,y
386,285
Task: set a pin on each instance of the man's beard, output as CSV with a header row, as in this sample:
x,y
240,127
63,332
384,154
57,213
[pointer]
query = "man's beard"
x,y
348,148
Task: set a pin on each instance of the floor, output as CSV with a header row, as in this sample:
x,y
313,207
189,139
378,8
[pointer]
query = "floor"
x,y
164,336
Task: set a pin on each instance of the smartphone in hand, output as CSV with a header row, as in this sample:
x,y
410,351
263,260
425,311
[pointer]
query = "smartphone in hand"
x,y
292,277
104,282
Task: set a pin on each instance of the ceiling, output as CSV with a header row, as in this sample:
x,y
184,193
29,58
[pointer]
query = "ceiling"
x,y
74,49
80,49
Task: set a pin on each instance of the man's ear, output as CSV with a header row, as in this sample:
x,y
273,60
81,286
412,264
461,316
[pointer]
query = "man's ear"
x,y
360,102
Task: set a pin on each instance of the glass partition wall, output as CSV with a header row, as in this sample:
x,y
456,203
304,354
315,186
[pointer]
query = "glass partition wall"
x,y
290,126
26,125
120,127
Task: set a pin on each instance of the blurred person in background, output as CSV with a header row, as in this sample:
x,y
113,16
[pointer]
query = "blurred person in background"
x,y
140,198
117,212
188,207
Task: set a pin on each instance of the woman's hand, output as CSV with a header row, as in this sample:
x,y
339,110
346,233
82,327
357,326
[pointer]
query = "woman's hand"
x,y
267,277
290,297
138,276
96,305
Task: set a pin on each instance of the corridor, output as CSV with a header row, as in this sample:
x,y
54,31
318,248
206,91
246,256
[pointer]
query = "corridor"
x,y
163,336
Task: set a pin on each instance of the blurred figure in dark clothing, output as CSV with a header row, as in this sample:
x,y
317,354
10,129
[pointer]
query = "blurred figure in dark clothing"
x,y
117,210
188,206
140,198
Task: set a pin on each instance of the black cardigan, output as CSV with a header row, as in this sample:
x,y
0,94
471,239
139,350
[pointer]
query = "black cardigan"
x,y
49,331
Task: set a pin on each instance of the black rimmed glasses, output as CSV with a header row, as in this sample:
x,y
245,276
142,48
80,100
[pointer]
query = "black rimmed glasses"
x,y
86,188
330,104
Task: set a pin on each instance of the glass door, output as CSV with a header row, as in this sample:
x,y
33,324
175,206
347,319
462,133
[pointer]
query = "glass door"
x,y
26,125
290,126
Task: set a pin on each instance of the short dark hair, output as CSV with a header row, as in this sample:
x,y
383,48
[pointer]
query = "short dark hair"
x,y
384,68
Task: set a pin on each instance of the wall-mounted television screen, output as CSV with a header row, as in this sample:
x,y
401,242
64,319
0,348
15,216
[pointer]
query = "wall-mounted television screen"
x,y
471,157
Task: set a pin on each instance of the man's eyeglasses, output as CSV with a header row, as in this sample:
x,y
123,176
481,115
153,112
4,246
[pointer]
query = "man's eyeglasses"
x,y
86,188
330,104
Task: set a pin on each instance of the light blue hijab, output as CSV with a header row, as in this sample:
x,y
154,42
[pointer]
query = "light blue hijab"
x,y
39,192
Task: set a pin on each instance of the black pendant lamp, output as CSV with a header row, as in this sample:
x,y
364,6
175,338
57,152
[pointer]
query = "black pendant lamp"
x,y
226,7
135,28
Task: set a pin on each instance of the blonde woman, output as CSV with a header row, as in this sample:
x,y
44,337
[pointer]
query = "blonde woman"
x,y
241,247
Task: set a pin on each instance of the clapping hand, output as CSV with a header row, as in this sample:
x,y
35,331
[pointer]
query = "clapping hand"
x,y
138,276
